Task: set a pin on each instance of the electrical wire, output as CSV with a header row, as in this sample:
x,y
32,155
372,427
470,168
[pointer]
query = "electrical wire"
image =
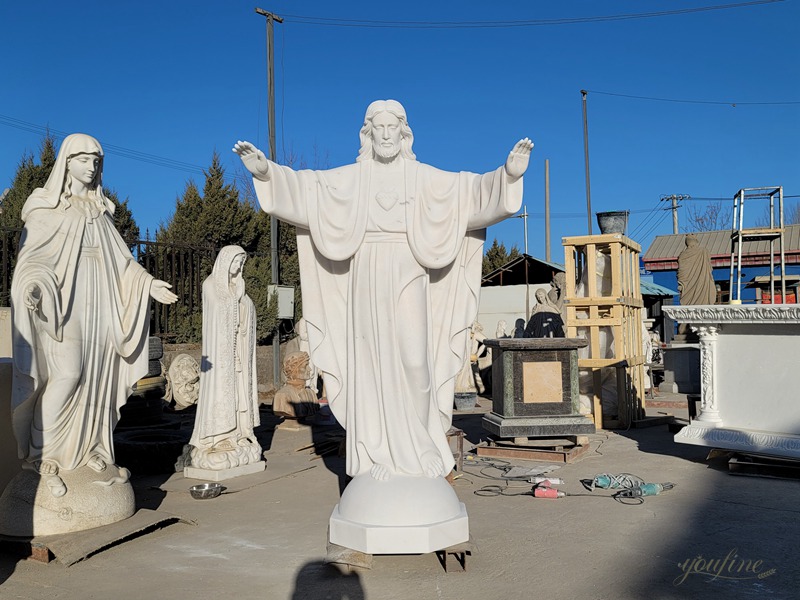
x,y
655,225
648,222
485,463
367,23
497,490
283,93
626,488
688,101
615,482
651,215
113,149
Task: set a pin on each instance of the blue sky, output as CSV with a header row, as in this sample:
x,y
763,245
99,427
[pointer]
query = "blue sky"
x,y
176,80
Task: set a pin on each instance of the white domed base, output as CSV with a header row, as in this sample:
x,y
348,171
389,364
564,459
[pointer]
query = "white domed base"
x,y
404,515
28,508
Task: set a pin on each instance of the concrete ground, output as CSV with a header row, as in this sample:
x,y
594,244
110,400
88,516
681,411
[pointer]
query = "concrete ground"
x,y
267,539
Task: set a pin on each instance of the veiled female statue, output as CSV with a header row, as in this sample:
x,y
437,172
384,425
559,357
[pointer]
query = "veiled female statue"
x,y
227,409
80,305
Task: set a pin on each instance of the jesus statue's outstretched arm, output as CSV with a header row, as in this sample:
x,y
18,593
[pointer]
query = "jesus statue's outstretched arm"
x,y
270,179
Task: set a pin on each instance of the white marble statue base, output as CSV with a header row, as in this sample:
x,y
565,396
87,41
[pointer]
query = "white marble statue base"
x,y
27,508
757,442
223,474
404,515
10,464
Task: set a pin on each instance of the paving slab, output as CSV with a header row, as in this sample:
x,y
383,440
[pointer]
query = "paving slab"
x,y
267,538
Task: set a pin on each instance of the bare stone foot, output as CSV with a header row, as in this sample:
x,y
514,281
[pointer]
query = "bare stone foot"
x,y
379,472
97,464
432,464
46,467
56,485
224,446
122,475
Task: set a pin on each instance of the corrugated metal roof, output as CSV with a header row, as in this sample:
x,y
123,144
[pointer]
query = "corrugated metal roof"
x,y
663,252
653,289
513,272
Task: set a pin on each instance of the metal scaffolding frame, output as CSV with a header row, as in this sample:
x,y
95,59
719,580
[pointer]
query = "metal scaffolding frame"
x,y
773,232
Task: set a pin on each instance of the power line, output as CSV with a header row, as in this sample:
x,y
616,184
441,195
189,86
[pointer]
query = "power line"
x,y
652,213
656,224
734,104
727,199
113,149
366,23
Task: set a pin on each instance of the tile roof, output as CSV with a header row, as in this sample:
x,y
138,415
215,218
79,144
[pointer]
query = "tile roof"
x,y
662,255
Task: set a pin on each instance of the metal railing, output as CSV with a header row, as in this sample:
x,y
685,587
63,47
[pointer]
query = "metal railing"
x,y
185,267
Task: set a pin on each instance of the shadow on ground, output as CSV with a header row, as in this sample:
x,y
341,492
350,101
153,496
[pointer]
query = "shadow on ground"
x,y
319,581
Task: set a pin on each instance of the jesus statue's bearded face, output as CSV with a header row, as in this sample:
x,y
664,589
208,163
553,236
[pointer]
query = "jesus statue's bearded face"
x,y
386,135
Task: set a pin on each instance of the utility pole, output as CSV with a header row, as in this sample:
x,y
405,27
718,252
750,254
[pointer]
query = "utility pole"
x,y
586,161
273,221
546,209
675,198
524,216
525,225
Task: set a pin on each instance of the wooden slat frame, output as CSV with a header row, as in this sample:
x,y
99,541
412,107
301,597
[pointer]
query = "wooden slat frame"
x,y
621,312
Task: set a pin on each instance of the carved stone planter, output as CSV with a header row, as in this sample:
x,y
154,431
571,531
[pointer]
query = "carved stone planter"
x,y
614,221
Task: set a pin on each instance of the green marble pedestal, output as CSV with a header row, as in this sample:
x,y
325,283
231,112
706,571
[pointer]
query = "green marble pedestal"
x,y
535,388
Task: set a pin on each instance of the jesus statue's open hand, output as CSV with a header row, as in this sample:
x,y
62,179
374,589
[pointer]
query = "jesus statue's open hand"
x,y
518,159
254,159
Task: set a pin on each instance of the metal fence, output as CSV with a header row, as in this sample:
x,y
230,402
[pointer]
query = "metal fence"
x,y
9,242
185,267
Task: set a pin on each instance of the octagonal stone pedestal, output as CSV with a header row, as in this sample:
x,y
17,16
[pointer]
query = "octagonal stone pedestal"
x,y
404,515
223,474
535,388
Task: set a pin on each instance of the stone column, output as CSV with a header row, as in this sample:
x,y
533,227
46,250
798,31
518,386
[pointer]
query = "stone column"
x,y
709,409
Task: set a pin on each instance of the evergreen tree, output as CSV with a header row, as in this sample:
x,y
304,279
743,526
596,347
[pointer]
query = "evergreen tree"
x,y
123,217
219,217
216,218
497,256
27,178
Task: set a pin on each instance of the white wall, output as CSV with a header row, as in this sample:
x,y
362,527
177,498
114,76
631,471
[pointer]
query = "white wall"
x,y
5,333
506,303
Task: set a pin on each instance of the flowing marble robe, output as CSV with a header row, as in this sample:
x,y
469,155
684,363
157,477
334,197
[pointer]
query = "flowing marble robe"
x,y
390,289
695,275
77,358
227,407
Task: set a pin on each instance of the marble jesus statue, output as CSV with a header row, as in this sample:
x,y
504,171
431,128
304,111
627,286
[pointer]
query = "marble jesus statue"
x,y
390,259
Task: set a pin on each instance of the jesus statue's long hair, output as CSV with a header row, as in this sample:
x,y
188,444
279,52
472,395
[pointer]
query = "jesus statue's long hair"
x,y
392,107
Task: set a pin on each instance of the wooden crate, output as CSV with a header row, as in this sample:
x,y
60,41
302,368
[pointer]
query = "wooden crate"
x,y
616,308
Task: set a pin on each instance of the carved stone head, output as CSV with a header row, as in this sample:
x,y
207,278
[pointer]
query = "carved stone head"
x,y
295,368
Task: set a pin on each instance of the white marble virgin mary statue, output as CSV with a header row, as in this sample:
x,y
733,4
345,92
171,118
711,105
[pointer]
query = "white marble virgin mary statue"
x,y
80,305
390,260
